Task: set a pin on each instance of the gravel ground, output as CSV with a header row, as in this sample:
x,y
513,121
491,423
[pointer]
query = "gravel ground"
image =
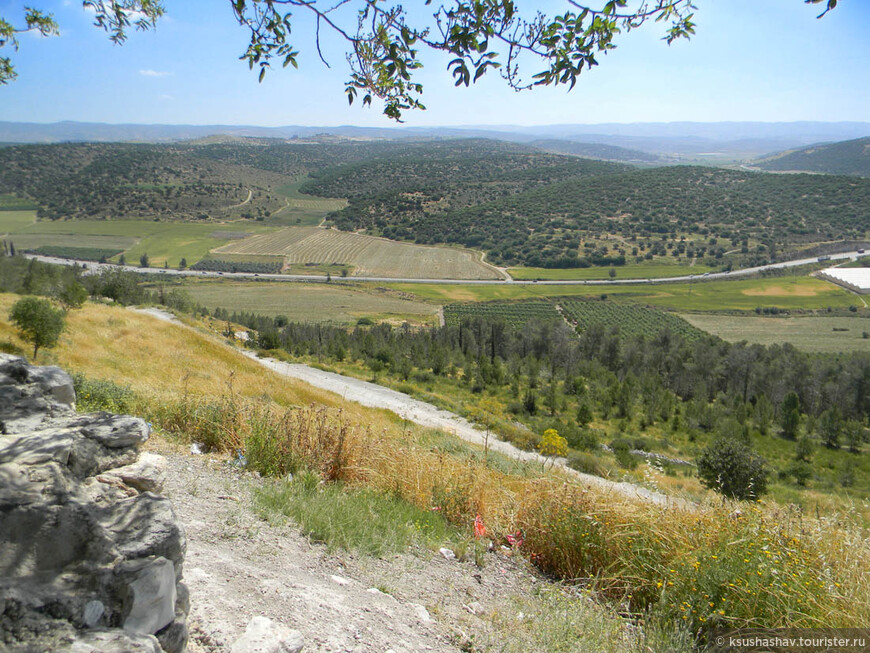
x,y
239,565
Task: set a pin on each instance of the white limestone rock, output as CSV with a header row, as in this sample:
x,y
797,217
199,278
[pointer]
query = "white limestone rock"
x,y
265,636
148,474
154,595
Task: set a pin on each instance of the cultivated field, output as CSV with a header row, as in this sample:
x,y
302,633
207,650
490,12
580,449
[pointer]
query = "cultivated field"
x,y
33,241
13,221
515,314
163,241
370,257
315,302
303,210
824,334
804,293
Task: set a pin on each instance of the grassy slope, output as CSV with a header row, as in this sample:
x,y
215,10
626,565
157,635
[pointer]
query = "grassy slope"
x,y
159,359
302,210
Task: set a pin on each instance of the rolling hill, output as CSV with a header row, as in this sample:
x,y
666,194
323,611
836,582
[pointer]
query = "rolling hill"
x,y
843,158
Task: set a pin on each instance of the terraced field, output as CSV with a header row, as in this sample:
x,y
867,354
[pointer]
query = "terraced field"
x,y
369,256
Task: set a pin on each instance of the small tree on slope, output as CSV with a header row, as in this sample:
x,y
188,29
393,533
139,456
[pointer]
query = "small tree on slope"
x,y
38,322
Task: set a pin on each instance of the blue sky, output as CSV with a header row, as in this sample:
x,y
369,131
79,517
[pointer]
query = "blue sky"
x,y
764,60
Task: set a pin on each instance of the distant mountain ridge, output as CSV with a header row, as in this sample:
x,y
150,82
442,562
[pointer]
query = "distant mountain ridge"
x,y
675,140
843,158
595,151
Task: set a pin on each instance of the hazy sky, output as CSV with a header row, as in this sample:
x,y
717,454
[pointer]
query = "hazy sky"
x,y
765,60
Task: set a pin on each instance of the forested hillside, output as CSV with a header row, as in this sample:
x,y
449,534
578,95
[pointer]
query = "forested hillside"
x,y
547,226
520,205
442,177
208,179
595,151
131,180
844,158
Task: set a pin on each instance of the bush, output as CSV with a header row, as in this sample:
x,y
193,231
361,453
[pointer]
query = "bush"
x,y
97,394
621,448
586,463
800,471
733,470
583,439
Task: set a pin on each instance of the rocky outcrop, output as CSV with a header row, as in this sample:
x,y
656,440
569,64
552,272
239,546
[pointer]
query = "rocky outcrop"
x,y
90,554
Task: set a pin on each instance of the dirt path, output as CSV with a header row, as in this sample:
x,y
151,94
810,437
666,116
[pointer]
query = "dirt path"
x,y
286,206
420,412
239,565
246,200
424,414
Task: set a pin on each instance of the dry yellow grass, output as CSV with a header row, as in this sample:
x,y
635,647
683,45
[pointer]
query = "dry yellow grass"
x,y
160,359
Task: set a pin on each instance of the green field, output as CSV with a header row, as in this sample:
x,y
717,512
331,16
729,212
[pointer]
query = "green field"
x,y
733,295
34,241
310,302
14,221
630,271
13,203
369,256
162,241
806,333
302,210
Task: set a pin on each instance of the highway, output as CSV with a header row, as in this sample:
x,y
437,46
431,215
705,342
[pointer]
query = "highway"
x,y
170,272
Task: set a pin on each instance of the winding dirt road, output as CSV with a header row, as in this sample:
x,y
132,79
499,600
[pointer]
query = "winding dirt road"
x,y
424,414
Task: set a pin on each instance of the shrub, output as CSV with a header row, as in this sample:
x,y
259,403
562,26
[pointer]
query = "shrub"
x,y
621,448
733,470
800,471
586,463
552,444
97,394
584,439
